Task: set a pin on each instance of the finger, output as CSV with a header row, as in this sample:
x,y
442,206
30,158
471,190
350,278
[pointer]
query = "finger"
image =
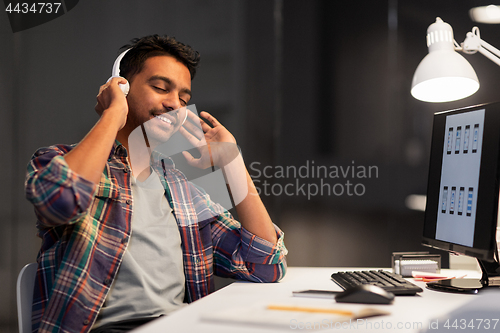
x,y
211,119
190,159
112,81
205,127
191,138
117,83
101,88
117,80
194,129
194,124
193,116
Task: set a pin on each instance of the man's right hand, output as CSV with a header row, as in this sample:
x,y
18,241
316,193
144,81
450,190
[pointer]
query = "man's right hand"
x,y
111,99
89,157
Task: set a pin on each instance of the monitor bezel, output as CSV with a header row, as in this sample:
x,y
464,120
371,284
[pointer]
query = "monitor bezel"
x,y
488,191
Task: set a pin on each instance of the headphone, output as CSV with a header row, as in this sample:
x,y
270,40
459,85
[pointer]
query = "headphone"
x,y
125,87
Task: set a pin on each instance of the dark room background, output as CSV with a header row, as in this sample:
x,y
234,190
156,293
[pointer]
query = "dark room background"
x,y
321,83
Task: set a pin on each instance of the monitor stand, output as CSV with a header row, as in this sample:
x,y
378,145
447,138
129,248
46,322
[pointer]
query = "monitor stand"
x,y
490,278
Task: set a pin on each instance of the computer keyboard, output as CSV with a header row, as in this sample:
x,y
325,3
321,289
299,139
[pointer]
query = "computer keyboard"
x,y
386,280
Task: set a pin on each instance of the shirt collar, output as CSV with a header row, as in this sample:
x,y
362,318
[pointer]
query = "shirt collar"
x,y
118,149
159,160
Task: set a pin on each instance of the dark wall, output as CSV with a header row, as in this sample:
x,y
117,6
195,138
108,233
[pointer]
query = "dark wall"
x,y
299,83
345,77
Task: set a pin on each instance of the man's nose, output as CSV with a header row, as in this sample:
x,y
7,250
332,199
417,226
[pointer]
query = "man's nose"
x,y
171,102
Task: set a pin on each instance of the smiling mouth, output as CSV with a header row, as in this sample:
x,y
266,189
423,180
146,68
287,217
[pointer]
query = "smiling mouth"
x,y
165,119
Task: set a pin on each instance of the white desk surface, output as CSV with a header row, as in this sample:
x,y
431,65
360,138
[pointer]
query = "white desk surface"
x,y
411,313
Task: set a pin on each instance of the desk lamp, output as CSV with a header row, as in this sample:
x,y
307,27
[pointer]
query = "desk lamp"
x,y
444,75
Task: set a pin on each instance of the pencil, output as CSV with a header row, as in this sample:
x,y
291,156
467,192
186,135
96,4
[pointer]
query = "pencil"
x,y
307,309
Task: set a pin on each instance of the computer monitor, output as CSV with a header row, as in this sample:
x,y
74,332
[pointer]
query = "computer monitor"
x,y
461,214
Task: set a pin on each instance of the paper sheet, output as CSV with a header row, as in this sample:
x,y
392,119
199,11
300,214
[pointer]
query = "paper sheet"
x,y
264,317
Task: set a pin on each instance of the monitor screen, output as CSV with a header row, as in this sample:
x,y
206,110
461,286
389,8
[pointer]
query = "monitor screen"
x,y
462,192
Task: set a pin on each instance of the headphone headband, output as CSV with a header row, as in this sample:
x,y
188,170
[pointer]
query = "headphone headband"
x,y
115,72
116,65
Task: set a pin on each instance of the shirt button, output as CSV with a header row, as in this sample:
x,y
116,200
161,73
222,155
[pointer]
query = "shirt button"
x,y
129,202
107,282
126,170
124,240
86,322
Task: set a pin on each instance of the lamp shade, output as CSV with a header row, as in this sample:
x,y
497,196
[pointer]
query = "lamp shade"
x,y
485,14
443,75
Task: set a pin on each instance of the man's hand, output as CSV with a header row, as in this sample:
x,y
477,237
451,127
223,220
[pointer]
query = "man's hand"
x,y
89,157
215,143
218,147
112,99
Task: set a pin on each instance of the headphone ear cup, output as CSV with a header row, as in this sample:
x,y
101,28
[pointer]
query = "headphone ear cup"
x,y
125,87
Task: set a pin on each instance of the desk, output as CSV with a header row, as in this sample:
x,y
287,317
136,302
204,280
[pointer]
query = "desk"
x,y
414,312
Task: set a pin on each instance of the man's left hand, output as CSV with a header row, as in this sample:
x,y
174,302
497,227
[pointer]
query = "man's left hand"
x,y
215,143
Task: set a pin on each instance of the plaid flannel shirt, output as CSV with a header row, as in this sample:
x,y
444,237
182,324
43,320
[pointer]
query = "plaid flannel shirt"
x,y
85,231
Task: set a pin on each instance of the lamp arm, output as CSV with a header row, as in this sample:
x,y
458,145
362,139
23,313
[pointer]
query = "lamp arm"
x,y
490,52
473,43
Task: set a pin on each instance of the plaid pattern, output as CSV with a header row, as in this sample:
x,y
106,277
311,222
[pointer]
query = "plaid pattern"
x,y
85,230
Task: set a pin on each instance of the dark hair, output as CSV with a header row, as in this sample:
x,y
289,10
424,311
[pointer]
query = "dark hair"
x,y
150,46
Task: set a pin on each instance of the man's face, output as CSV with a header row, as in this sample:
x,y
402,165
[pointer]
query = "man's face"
x,y
156,95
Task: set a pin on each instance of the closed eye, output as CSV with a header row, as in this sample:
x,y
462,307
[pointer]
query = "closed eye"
x,y
158,88
183,102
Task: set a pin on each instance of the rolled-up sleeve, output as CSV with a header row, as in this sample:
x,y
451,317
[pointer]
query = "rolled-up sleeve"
x,y
58,194
260,251
242,255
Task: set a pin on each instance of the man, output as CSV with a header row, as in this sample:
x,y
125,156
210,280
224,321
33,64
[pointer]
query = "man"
x,y
125,237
